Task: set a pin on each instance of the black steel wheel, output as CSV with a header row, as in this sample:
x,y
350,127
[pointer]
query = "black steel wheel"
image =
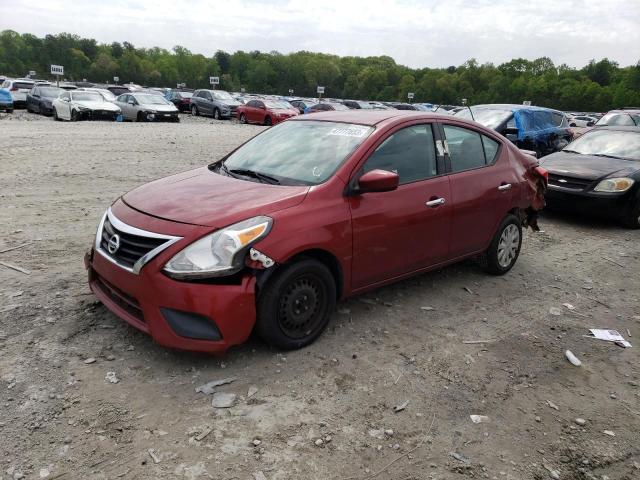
x,y
267,121
296,304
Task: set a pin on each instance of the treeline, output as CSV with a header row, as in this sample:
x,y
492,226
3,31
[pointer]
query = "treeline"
x,y
599,86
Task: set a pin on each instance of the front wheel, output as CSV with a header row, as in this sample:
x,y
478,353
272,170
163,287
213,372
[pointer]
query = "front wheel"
x,y
296,304
243,118
503,252
632,220
55,114
194,111
268,122
216,114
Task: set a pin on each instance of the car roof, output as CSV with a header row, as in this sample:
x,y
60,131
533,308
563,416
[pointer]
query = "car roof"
x,y
624,110
513,107
367,117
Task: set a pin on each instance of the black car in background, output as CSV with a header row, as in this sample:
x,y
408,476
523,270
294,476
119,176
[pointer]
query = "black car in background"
x,y
629,117
181,99
325,107
357,105
598,173
301,104
41,97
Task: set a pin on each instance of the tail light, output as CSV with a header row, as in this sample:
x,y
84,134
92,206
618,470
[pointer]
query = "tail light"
x,y
186,100
14,89
542,172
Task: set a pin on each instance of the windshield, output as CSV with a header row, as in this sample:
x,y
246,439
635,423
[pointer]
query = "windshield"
x,y
107,95
278,105
364,105
151,100
222,95
338,106
50,91
490,118
22,85
86,97
620,118
186,94
613,143
306,152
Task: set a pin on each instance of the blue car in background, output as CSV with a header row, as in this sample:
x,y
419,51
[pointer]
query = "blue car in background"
x,y
6,101
539,129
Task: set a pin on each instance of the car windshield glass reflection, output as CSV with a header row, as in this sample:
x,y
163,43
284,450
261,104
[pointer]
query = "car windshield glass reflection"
x,y
304,152
86,97
608,142
277,105
488,117
151,100
221,95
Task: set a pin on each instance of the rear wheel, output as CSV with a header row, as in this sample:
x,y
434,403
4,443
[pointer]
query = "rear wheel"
x,y
503,252
632,220
243,118
296,304
194,110
267,121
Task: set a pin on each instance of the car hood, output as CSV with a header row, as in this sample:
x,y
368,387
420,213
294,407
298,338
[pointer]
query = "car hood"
x,y
587,166
202,197
160,108
97,105
230,103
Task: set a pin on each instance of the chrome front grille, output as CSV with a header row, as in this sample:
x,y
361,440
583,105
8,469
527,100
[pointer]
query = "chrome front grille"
x,y
129,247
569,182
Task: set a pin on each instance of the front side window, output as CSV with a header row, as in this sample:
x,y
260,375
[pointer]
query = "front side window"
x,y
469,149
277,152
409,152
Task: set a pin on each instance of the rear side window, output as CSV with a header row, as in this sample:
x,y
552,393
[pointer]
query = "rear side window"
x,y
469,149
409,152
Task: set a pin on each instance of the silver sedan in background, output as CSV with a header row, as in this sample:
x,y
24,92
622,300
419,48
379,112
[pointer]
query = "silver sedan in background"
x,y
146,107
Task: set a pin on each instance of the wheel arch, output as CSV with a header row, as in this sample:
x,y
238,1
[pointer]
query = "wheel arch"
x,y
325,257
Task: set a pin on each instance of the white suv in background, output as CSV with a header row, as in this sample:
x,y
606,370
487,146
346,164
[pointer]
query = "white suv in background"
x,y
18,87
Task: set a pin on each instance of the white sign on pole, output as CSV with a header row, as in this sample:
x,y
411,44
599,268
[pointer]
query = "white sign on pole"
x,y
116,79
527,103
242,90
320,90
214,80
32,73
410,95
57,70
291,91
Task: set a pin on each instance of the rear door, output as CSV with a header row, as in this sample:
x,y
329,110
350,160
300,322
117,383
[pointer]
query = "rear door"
x,y
482,185
407,229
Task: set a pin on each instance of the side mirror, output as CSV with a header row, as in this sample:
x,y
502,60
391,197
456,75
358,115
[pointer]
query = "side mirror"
x,y
378,181
511,134
590,124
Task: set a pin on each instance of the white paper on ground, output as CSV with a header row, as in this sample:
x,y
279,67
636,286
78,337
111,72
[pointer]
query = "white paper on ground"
x,y
609,336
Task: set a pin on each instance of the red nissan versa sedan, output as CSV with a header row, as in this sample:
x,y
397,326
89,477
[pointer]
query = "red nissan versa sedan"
x,y
315,209
266,112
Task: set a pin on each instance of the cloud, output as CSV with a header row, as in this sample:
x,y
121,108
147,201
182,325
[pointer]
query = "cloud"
x,y
415,33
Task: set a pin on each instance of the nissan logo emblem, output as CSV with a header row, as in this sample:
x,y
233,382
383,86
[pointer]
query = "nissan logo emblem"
x,y
113,244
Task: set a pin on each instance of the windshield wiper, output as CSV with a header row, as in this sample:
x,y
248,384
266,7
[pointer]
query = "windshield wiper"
x,y
571,151
224,168
252,173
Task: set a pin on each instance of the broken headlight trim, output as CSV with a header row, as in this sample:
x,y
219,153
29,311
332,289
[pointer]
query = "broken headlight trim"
x,y
614,185
220,253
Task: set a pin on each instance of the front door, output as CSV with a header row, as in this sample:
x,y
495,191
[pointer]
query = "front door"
x,y
407,229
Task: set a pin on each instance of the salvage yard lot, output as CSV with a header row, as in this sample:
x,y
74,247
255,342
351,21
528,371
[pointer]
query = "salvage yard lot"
x,y
326,411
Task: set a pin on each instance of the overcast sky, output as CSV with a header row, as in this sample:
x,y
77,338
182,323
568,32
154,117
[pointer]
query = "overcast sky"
x,y
417,33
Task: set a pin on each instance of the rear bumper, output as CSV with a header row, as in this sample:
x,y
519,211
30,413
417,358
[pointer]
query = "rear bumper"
x,y
196,317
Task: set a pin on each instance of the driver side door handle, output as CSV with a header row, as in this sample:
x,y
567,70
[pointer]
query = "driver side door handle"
x,y
504,187
435,202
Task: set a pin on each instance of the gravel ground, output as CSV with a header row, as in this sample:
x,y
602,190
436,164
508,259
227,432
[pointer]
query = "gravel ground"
x,y
324,412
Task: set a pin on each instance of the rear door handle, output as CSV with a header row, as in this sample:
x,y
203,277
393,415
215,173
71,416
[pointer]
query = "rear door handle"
x,y
504,187
435,202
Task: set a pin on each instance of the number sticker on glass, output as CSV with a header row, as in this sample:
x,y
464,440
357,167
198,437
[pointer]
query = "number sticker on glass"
x,y
349,132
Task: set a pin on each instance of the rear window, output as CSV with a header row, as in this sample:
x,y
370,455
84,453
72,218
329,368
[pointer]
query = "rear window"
x,y
28,86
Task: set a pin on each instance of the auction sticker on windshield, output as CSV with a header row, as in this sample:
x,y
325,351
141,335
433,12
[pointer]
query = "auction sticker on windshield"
x,y
349,131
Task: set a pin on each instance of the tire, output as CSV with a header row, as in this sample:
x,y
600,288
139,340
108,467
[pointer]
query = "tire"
x,y
216,114
503,252
572,124
74,116
267,121
632,219
243,118
29,109
140,117
194,110
55,115
283,305
9,110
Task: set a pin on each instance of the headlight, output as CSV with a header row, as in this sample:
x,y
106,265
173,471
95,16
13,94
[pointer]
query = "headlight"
x,y
613,185
220,253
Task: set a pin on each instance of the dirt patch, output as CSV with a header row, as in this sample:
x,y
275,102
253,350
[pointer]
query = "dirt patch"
x,y
327,411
